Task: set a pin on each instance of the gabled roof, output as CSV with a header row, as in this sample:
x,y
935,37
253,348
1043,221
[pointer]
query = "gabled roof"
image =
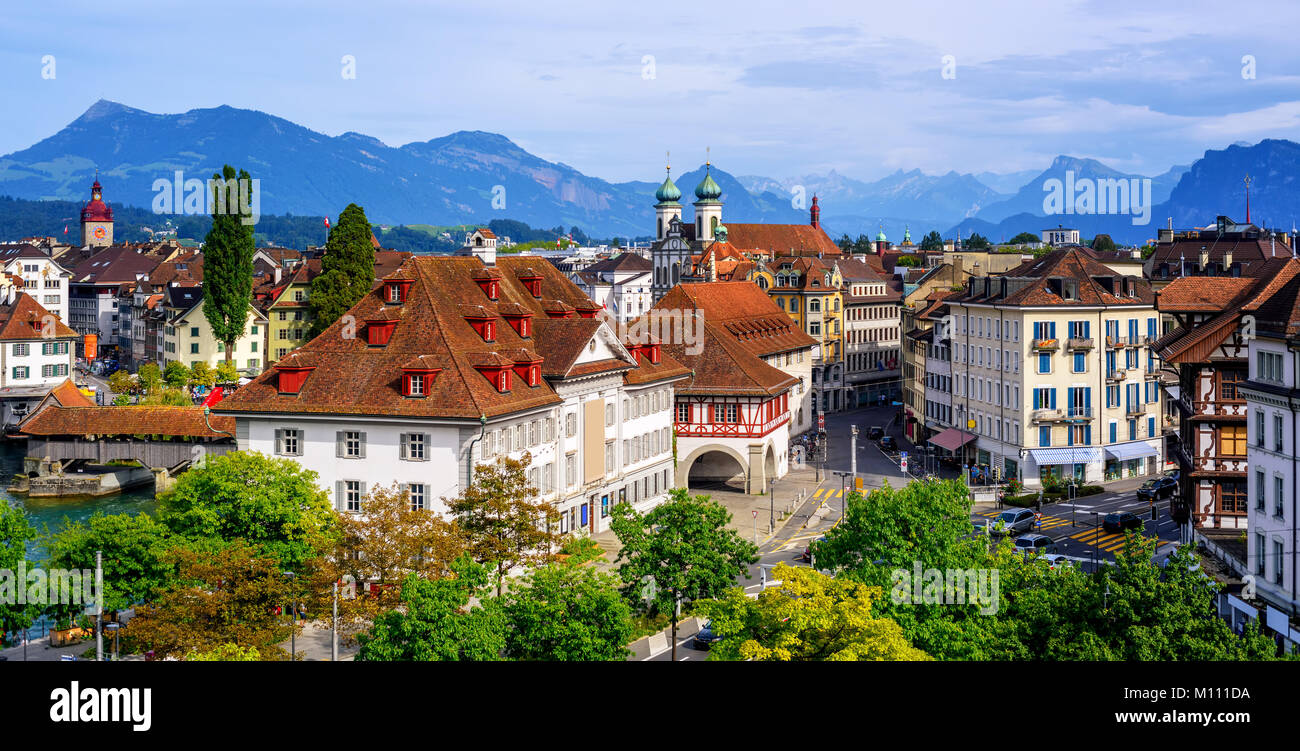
x,y
186,422
625,263
741,325
114,265
1196,343
1031,283
19,319
355,378
781,239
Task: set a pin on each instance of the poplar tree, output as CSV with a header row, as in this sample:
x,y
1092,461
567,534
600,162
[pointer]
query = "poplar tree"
x,y
228,258
347,269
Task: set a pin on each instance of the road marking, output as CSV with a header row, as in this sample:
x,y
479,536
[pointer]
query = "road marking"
x,y
839,493
818,494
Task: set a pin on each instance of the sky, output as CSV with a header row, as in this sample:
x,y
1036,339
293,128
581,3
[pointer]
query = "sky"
x,y
777,89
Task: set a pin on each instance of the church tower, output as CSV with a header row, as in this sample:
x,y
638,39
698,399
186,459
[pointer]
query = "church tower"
x,y
668,207
708,207
96,219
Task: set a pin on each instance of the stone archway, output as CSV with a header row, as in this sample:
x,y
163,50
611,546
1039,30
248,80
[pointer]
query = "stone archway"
x,y
720,464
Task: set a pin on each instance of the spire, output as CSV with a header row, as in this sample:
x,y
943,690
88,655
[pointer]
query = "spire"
x,y
816,213
708,189
668,194
1247,181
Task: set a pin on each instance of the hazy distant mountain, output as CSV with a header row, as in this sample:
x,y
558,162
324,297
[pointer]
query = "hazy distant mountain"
x,y
468,176
1192,196
1007,183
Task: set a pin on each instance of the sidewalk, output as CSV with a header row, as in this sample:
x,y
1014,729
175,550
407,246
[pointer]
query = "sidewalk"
x,y
1112,487
800,479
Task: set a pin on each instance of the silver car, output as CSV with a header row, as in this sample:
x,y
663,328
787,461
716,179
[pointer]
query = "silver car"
x,y
1030,544
1016,521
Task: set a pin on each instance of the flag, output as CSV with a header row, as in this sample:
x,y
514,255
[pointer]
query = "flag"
x,y
327,222
65,229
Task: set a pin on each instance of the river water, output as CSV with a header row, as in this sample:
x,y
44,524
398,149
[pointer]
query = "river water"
x,y
53,514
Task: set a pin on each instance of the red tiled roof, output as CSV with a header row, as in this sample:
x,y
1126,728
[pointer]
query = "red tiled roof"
x,y
67,394
1030,283
19,319
184,422
355,378
781,239
741,325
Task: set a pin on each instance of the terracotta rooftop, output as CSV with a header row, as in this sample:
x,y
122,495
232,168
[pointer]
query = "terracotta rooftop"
x,y
20,319
1040,282
352,377
781,239
186,422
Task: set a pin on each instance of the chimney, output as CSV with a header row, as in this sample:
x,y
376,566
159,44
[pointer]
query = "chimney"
x,y
277,274
1205,257
1227,258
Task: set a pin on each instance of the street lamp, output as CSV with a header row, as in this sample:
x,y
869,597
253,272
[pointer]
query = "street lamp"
x,y
771,505
844,490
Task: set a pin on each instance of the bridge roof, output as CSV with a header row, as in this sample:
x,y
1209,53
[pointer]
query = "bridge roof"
x,y
181,422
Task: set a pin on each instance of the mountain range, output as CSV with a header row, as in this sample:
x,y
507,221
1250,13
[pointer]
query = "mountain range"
x,y
475,177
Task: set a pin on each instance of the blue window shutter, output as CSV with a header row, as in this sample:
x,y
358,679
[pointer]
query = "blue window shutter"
x,y
1113,435
1087,398
1069,436
1087,435
1053,398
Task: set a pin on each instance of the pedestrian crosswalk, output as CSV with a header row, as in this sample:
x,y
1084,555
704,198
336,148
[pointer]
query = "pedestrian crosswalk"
x,y
1099,538
825,494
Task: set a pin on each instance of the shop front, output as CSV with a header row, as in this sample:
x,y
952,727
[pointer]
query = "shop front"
x,y
1080,463
1125,460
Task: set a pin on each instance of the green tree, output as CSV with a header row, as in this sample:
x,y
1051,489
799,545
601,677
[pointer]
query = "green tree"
x,y
567,612
226,372
228,258
437,622
932,241
228,652
132,546
121,382
347,269
909,261
1024,238
150,378
809,616
273,504
1103,243
976,242
222,594
681,550
845,243
15,532
202,374
176,375
504,522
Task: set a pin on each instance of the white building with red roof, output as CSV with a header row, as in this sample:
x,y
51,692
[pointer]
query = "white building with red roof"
x,y
450,362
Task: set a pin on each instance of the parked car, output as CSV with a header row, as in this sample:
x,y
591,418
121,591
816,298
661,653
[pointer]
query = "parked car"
x,y
1120,522
705,638
875,433
1015,521
807,551
1156,488
1029,544
887,443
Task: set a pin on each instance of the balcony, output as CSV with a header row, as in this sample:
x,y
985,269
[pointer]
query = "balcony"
x,y
1048,415
1116,342
1115,376
1046,345
1079,343
1135,410
1078,413
1151,375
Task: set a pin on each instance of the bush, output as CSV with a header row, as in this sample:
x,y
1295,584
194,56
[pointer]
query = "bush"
x,y
1024,501
1089,490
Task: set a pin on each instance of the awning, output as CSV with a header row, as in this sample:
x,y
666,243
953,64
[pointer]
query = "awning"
x,y
952,439
1072,455
1122,451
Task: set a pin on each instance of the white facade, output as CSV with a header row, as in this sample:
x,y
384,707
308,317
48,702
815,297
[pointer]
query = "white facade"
x,y
354,453
626,295
45,281
1273,471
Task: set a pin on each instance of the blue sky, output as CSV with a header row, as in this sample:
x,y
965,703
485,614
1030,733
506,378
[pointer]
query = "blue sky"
x,y
778,89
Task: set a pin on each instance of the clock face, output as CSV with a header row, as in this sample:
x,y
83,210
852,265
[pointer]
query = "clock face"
x,y
98,233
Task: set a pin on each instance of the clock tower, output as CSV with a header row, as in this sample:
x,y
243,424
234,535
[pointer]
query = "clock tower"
x,y
96,219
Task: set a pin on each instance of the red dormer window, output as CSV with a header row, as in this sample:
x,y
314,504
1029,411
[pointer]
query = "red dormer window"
x,y
588,312
530,372
379,331
417,383
484,327
397,290
533,284
490,287
289,380
522,323
654,353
